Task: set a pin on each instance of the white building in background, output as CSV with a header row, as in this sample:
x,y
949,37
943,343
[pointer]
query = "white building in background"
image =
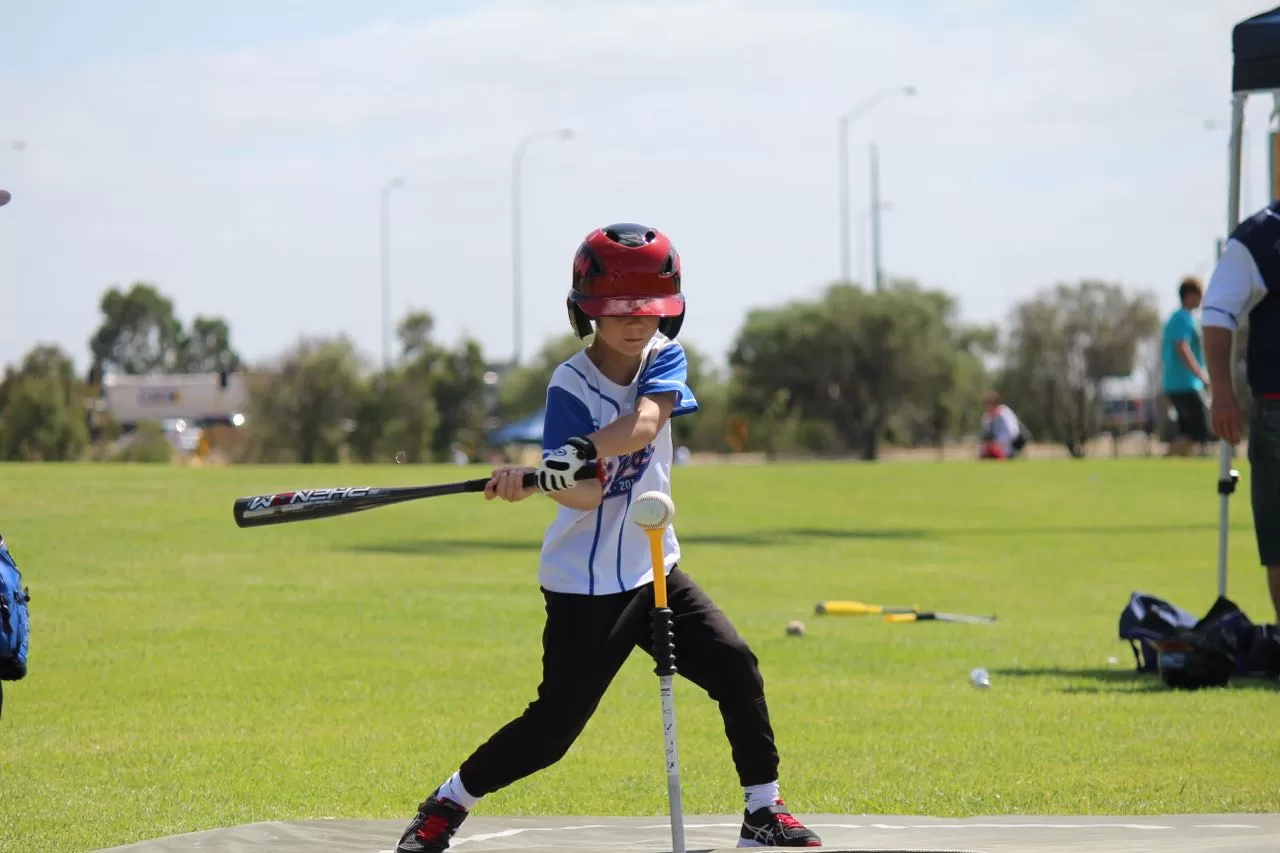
x,y
198,399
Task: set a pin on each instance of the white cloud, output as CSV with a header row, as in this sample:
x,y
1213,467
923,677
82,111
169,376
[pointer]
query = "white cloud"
x,y
245,183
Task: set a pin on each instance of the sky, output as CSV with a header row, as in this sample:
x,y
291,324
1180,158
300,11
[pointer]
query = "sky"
x,y
233,154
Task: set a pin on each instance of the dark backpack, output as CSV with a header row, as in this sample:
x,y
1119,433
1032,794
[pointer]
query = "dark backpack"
x,y
1209,653
1147,619
15,623
1261,658
1190,653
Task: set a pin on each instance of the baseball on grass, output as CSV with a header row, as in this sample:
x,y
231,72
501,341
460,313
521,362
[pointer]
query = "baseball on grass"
x,y
795,628
653,510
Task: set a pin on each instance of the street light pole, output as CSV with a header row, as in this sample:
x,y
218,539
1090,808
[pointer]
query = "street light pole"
x,y
846,273
876,274
846,263
863,217
385,264
517,308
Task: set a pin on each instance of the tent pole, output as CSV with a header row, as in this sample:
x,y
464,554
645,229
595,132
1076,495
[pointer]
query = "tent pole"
x,y
1273,142
1226,476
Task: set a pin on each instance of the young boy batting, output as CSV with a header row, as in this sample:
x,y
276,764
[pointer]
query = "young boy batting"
x,y
611,404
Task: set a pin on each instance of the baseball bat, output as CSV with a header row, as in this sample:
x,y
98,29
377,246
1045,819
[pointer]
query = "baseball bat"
x,y
856,608
934,616
306,504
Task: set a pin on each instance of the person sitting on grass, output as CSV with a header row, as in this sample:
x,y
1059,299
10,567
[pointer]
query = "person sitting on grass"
x,y
1001,435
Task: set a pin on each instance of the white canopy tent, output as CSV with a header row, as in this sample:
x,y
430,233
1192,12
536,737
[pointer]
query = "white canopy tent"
x,y
1255,44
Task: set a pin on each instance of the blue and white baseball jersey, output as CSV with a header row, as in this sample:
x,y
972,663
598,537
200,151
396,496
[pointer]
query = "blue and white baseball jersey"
x,y
601,552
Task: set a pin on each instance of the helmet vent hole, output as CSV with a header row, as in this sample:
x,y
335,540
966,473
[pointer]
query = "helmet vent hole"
x,y
629,234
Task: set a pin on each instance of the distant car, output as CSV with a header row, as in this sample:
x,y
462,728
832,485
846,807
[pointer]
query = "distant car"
x,y
1123,415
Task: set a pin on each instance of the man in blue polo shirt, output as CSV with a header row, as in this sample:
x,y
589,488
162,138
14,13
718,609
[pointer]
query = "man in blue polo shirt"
x,y
1185,377
1244,285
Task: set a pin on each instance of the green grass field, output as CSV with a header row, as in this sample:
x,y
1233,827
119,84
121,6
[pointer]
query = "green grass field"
x,y
186,674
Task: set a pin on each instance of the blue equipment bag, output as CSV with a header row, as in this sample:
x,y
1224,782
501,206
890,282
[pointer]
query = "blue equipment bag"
x,y
1147,618
15,623
1192,653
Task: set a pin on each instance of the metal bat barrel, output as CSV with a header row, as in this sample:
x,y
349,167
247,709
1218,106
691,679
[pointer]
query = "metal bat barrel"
x,y
307,504
934,616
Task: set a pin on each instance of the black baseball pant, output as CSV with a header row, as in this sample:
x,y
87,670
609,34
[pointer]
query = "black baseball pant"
x,y
585,642
1193,415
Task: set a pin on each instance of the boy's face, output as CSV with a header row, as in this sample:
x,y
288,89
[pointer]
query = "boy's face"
x,y
627,335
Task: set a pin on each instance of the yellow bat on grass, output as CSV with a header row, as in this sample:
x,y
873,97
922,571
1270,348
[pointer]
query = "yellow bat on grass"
x,y
893,614
857,608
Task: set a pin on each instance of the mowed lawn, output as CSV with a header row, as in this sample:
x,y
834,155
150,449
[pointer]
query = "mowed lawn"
x,y
186,674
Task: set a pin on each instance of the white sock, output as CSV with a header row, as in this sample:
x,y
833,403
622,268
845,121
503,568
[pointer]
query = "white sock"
x,y
453,790
760,796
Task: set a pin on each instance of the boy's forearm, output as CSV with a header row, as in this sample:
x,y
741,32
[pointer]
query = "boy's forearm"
x,y
584,496
625,435
1217,357
636,430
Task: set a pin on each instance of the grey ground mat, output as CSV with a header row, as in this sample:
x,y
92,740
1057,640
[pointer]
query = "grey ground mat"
x,y
1222,833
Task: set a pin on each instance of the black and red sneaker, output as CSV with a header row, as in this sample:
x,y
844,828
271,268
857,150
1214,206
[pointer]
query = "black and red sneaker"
x,y
430,832
773,826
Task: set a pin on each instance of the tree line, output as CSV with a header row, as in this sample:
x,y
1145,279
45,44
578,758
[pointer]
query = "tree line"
x,y
842,373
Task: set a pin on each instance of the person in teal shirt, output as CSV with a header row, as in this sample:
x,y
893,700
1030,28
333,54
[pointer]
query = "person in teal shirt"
x,y
1185,377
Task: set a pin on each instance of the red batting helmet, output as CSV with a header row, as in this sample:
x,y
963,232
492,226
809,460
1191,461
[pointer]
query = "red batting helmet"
x,y
626,270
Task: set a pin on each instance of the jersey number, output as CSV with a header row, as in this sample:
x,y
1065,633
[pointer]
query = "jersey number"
x,y
630,469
